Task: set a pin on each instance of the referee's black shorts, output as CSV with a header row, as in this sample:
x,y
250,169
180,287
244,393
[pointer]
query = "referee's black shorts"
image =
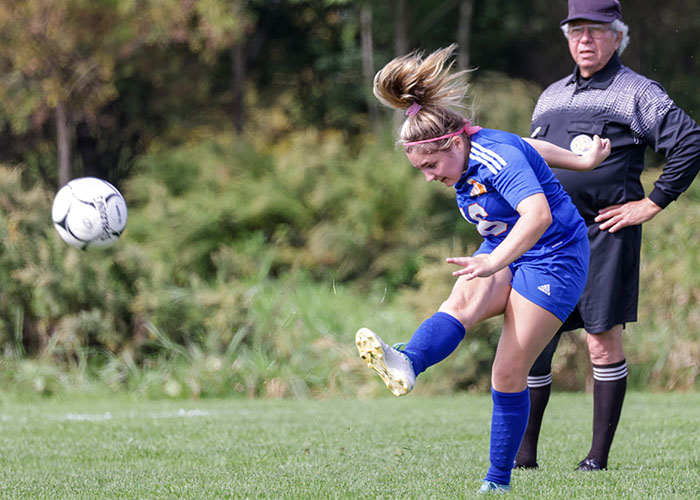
x,y
612,290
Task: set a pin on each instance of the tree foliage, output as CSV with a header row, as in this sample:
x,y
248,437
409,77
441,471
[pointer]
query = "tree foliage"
x,y
92,83
78,65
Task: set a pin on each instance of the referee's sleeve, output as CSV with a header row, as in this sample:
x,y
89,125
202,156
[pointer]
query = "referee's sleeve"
x,y
677,137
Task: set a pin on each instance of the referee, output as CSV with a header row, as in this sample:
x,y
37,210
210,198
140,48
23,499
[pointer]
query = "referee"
x,y
604,97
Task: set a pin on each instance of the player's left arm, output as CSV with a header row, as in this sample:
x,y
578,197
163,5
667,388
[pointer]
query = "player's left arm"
x,y
677,137
535,218
558,157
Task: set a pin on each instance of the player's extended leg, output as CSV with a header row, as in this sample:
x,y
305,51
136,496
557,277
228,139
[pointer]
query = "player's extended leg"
x,y
539,383
609,387
470,302
527,328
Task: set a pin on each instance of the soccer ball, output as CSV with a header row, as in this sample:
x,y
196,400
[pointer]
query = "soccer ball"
x,y
89,212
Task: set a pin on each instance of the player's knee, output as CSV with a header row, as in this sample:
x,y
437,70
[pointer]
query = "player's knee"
x,y
453,305
472,301
509,376
458,307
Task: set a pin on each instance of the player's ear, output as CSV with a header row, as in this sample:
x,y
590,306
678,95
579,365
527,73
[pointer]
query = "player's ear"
x,y
458,143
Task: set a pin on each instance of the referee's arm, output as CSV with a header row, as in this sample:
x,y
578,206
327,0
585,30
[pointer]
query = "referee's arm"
x,y
677,137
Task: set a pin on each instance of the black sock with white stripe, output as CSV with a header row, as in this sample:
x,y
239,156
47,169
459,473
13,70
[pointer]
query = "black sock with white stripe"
x,y
540,389
609,387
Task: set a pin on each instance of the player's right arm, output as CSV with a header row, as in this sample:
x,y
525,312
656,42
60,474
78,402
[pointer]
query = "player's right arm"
x,y
563,158
535,218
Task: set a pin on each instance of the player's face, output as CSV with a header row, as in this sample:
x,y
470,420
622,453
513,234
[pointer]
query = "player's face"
x,y
592,45
443,166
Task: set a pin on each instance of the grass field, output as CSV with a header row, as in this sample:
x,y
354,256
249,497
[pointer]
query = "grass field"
x,y
387,448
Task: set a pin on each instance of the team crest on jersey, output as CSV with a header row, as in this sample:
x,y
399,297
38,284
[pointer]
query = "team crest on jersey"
x,y
580,144
477,188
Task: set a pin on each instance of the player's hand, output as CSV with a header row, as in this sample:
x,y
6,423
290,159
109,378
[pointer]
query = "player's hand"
x,y
473,267
598,151
632,213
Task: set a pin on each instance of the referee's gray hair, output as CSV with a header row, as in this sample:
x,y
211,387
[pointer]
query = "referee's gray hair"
x,y
617,26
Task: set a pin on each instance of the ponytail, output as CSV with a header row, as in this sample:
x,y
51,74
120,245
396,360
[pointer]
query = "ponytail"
x,y
427,89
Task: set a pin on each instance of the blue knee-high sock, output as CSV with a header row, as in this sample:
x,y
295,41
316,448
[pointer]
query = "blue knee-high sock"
x,y
434,340
508,423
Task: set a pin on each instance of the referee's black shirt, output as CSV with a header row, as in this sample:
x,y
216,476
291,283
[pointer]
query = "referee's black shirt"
x,y
633,112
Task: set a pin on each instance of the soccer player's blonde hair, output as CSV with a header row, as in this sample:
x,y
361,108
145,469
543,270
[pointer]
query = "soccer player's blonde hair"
x,y
426,87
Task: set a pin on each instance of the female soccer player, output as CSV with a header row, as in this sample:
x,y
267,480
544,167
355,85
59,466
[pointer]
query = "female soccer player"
x,y
531,266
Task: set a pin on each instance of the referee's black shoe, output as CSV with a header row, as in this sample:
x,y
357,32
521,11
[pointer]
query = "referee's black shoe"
x,y
589,464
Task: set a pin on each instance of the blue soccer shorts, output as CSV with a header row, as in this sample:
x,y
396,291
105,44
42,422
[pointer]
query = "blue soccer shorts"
x,y
556,281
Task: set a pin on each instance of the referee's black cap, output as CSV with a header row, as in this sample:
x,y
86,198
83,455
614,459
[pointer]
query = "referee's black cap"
x,y
602,11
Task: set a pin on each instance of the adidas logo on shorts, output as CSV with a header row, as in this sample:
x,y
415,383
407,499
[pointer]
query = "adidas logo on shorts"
x,y
544,288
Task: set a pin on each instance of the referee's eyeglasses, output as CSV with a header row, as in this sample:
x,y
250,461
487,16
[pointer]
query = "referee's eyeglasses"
x,y
595,31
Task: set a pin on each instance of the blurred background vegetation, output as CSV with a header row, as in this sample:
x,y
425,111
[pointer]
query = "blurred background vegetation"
x,y
270,214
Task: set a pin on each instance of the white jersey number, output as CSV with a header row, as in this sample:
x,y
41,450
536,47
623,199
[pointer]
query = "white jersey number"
x,y
483,226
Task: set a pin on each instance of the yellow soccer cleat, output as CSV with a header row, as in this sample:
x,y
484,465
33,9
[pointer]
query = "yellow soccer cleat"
x,y
391,365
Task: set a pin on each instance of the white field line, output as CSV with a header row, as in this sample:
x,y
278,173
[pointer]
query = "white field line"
x,y
101,417
181,413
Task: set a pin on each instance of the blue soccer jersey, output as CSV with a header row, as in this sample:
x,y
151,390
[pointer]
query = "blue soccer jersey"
x,y
503,170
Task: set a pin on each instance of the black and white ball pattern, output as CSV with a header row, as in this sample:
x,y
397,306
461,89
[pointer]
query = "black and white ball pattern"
x,y
89,212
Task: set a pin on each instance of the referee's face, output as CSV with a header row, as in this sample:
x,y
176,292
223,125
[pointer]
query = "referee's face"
x,y
592,45
443,166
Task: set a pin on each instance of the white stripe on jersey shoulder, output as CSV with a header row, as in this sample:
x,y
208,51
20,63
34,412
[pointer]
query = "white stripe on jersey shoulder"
x,y
492,160
489,162
489,152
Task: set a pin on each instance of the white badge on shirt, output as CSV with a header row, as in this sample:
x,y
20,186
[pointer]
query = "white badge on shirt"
x,y
580,144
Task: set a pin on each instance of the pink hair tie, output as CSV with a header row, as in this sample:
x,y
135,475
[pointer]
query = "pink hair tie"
x,y
471,129
413,109
468,128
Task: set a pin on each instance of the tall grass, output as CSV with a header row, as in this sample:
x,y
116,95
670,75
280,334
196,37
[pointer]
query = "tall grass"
x,y
665,343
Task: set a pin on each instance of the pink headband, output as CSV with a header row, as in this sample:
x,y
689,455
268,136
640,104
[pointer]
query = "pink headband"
x,y
468,128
